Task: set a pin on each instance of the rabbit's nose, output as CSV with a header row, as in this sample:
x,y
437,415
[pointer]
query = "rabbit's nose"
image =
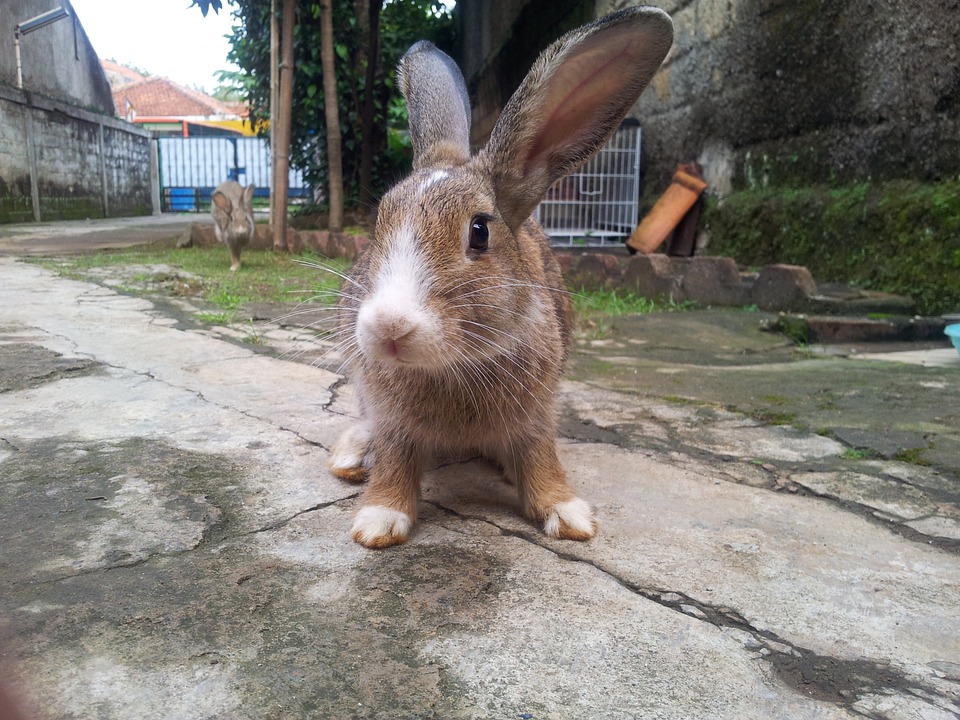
x,y
393,334
389,325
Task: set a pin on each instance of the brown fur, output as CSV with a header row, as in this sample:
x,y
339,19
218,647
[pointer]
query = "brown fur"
x,y
471,361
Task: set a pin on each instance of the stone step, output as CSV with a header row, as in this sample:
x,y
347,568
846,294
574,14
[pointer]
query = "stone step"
x,y
708,280
837,329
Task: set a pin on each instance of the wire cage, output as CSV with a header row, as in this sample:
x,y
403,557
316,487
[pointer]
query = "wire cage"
x,y
597,205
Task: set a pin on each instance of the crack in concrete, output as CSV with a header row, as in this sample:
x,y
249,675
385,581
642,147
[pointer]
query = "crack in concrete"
x,y
822,677
675,443
245,413
286,521
334,391
7,443
869,514
210,538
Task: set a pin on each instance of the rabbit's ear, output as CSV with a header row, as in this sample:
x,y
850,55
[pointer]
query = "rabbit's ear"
x,y
221,201
571,101
248,194
438,107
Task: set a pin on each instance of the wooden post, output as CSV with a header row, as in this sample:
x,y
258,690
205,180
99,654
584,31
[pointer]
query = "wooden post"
x,y
283,120
332,113
366,117
274,105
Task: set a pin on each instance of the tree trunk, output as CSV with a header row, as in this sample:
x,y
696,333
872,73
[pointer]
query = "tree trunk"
x,y
367,133
274,105
331,109
281,161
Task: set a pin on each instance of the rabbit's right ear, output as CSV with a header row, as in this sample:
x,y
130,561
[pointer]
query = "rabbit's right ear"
x,y
438,106
571,101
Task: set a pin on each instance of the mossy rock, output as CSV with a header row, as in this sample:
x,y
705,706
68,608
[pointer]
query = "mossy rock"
x,y
901,237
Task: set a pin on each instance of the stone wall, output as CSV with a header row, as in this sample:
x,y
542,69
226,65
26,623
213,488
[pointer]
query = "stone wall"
x,y
797,92
58,60
762,92
501,39
59,162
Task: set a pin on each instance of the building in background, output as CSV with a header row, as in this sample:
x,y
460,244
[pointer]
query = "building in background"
x,y
63,152
57,60
168,109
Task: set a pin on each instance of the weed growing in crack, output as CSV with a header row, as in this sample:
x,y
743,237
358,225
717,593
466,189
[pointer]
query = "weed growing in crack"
x,y
856,454
208,318
913,456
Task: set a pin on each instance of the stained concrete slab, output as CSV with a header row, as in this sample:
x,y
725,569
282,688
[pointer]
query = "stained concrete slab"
x,y
173,546
74,236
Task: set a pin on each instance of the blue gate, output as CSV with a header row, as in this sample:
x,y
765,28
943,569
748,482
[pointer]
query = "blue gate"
x,y
192,167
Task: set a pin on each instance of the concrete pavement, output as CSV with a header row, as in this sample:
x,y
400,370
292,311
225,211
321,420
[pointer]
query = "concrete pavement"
x,y
73,236
780,531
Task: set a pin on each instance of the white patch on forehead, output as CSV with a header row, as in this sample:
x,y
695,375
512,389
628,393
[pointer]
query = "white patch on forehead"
x,y
396,318
434,177
403,279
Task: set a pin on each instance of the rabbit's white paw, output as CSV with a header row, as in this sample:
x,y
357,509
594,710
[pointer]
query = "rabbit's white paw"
x,y
348,459
377,526
571,520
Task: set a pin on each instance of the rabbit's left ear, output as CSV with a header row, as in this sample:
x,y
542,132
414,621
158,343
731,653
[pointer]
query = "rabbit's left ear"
x,y
248,192
571,101
438,106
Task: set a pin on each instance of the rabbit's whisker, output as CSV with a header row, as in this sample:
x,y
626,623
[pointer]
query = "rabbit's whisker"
x,y
332,271
515,360
471,336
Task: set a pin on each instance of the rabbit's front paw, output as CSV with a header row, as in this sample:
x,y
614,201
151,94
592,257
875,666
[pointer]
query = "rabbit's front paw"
x,y
377,526
571,520
349,458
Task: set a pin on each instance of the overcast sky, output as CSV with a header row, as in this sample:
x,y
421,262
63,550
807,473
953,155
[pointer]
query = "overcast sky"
x,y
162,37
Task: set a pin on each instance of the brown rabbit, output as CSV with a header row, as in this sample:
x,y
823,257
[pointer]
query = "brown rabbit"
x,y
232,212
456,321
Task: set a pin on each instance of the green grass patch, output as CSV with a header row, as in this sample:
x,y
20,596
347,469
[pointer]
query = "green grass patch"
x,y
769,416
679,400
214,318
595,308
265,276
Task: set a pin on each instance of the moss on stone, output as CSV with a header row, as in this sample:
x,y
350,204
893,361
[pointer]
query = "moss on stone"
x,y
901,237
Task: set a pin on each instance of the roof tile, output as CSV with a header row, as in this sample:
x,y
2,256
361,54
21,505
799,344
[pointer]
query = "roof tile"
x,y
158,96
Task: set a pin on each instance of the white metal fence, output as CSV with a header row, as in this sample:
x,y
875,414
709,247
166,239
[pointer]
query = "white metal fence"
x,y
191,168
597,205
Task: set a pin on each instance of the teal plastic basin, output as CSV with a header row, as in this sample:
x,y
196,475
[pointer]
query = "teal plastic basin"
x,y
953,332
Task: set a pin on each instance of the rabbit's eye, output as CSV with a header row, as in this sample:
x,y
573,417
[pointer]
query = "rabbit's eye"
x,y
479,234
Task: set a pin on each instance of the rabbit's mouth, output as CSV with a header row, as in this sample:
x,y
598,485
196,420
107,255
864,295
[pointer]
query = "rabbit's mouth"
x,y
399,351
